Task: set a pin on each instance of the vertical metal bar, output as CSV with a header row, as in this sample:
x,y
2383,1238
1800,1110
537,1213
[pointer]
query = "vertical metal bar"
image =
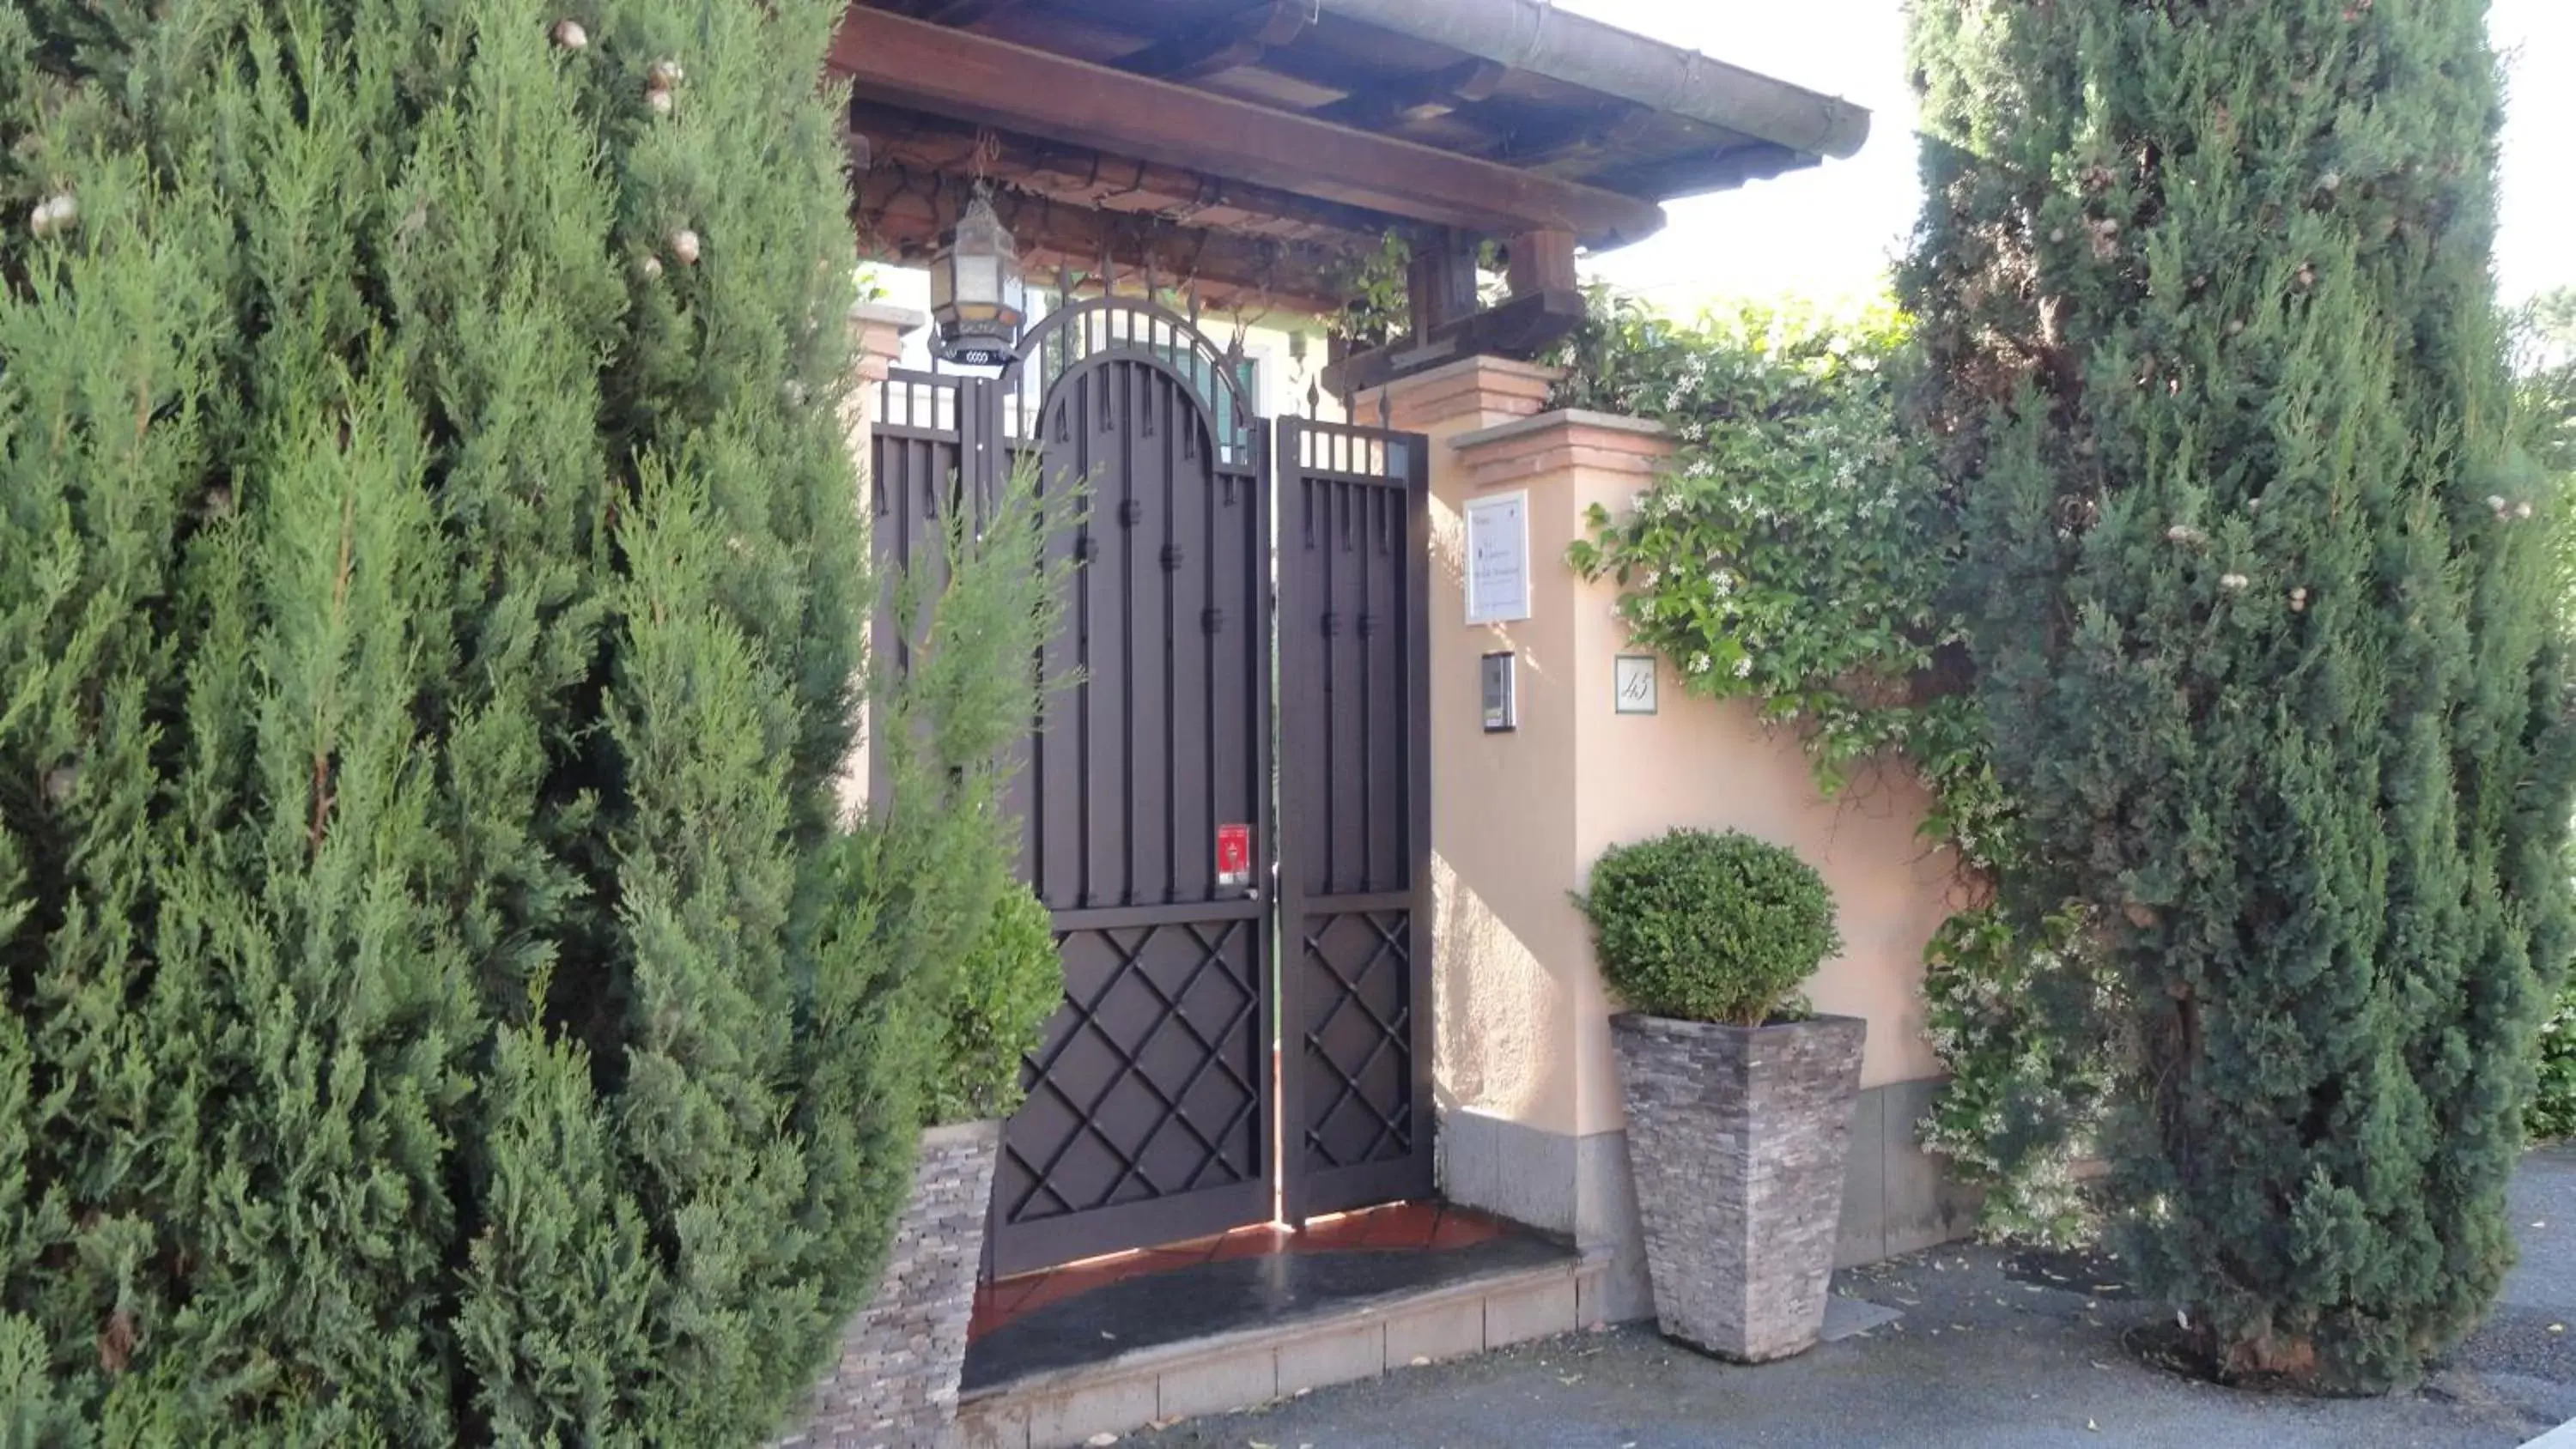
x,y
1258,660
1364,643
1188,757
1415,623
1123,391
1327,676
1086,584
1300,645
1210,624
1035,828
1171,403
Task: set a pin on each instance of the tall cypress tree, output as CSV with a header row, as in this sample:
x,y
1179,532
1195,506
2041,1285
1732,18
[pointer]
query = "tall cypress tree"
x,y
2264,632
438,998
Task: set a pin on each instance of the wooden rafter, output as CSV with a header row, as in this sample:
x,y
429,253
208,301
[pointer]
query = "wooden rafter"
x,y
965,12
1581,138
980,80
1420,98
1238,40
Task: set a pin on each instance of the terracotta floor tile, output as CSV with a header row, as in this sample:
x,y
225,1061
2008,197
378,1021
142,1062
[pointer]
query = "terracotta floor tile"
x,y
1410,1227
1201,1250
1458,1228
1062,1284
1338,1235
1153,1309
1260,1242
1402,1226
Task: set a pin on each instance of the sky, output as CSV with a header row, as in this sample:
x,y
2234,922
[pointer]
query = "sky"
x,y
1828,233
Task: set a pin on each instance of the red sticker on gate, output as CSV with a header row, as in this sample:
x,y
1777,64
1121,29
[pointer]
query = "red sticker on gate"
x,y
1234,855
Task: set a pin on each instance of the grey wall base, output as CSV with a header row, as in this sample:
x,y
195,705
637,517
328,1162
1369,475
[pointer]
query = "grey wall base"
x,y
1576,1187
1896,1197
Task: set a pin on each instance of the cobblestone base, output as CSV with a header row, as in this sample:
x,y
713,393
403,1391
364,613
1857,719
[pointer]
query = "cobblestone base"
x,y
895,1386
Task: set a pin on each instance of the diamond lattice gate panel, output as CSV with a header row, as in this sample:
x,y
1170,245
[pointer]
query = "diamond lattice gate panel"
x,y
1356,837
1149,1116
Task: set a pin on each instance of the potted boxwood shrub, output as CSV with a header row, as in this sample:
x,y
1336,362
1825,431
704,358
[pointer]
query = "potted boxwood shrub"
x,y
1739,1100
901,1358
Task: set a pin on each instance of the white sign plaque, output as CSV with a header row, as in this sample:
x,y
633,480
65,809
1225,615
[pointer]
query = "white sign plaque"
x,y
1498,570
1634,674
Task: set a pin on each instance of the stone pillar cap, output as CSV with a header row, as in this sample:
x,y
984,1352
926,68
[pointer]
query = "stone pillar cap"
x,y
1561,418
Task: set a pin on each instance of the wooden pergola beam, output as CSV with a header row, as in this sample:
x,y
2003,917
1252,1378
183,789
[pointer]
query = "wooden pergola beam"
x,y
981,80
900,215
1079,176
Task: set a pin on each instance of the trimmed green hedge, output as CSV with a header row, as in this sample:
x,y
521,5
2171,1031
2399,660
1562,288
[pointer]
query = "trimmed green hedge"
x,y
1708,927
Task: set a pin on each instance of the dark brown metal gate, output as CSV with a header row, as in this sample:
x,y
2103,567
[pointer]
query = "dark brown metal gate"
x,y
1354,726
1154,1108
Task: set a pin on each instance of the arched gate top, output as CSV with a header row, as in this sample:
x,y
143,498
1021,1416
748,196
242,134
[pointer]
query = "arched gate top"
x,y
1105,328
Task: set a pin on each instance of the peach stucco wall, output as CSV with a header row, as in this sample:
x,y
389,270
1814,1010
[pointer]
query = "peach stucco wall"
x,y
1518,818
1512,965
1714,764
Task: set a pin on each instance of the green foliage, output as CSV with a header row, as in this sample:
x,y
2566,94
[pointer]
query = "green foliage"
x,y
1706,927
1794,552
2544,355
2265,625
1799,553
2013,1011
1379,290
1379,305
2552,1114
1010,983
444,1001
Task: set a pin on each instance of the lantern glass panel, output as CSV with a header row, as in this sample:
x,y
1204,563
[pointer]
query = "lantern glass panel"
x,y
977,281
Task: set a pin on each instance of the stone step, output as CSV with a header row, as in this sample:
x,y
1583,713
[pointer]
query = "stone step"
x,y
1257,1365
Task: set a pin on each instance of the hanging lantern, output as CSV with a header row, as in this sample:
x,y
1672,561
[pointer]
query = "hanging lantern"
x,y
977,295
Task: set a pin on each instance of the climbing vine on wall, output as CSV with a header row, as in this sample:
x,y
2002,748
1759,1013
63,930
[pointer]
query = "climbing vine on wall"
x,y
1797,554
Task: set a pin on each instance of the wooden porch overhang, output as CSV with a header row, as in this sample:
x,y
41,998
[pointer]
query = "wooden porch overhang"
x,y
1254,152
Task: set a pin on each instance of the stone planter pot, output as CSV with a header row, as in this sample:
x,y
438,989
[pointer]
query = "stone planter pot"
x,y
1737,1137
895,1385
